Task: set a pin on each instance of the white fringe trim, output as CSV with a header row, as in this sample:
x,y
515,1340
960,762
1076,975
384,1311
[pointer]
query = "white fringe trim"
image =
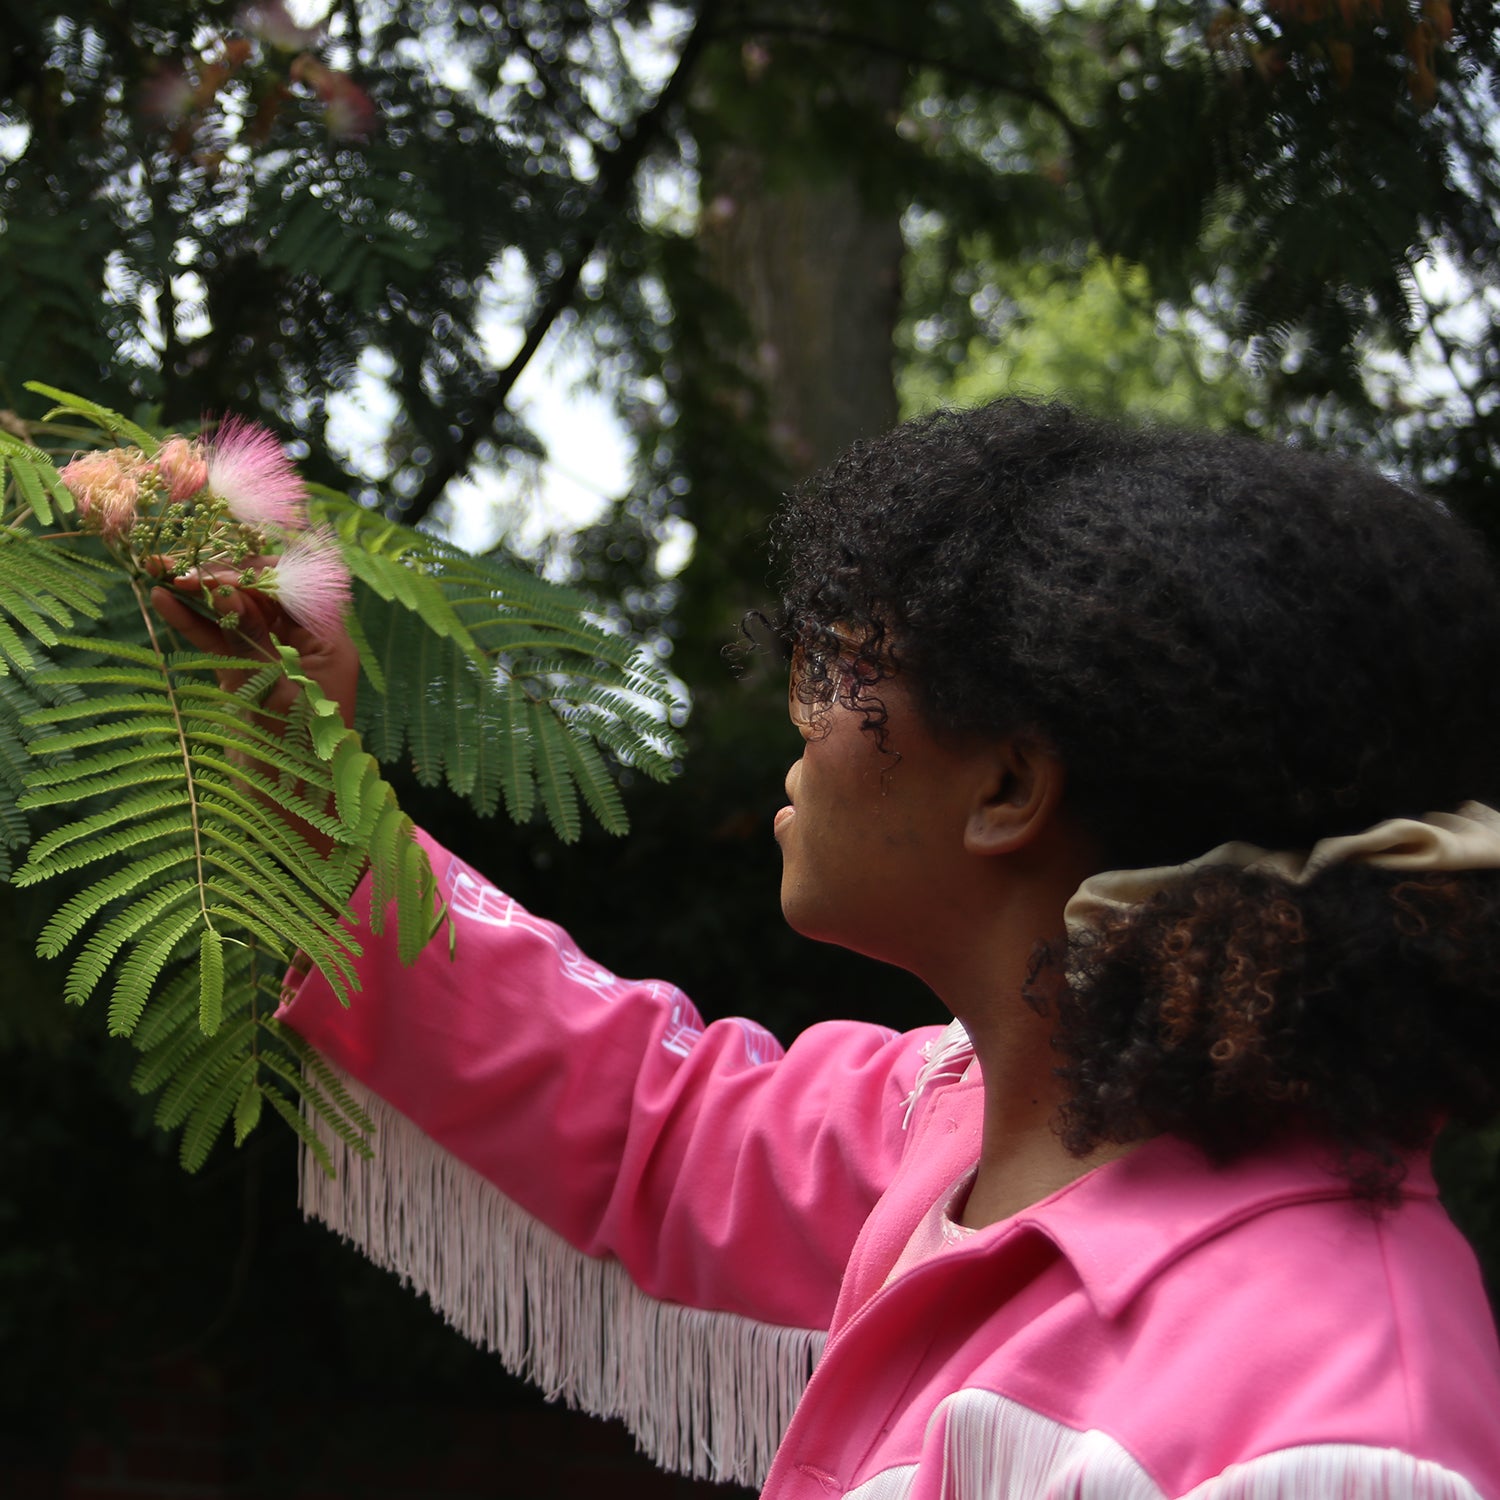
x,y
708,1394
889,1484
996,1449
1336,1471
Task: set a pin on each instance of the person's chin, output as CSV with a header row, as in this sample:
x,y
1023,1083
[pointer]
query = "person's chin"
x,y
804,918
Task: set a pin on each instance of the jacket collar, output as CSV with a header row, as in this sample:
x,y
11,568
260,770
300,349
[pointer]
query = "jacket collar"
x,y
1123,1223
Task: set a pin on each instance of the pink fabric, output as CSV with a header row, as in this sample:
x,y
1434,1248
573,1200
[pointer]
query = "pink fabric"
x,y
701,1157
1200,1318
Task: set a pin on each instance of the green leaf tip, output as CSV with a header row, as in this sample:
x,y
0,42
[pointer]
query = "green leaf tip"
x,y
210,981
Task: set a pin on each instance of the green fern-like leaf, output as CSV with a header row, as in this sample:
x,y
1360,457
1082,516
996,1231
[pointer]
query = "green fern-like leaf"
x,y
554,781
468,705
592,779
210,980
148,956
247,1110
187,821
156,905
42,586
203,842
316,1074
23,751
206,1122
118,883
304,1132
169,1033
399,577
518,749
205,1082
316,1101
196,1073
35,479
102,417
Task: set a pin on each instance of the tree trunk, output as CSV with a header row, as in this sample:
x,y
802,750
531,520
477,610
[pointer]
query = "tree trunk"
x,y
807,259
816,271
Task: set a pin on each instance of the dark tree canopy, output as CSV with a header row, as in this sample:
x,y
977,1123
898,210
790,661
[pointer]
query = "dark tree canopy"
x,y
205,205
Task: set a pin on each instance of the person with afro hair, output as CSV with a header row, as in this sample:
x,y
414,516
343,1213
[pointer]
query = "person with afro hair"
x,y
1169,761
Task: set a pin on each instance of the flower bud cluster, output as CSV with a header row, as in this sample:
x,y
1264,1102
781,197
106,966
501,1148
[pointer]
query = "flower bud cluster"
x,y
234,502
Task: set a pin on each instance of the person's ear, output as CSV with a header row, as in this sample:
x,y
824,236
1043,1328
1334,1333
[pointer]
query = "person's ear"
x,y
1019,792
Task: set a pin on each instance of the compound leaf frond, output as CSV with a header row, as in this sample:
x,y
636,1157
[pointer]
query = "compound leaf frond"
x,y
102,417
202,841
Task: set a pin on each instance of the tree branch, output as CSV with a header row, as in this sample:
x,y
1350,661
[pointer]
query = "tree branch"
x,y
1032,93
616,177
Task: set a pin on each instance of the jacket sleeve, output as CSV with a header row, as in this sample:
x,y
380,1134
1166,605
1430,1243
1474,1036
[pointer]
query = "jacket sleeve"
x,y
722,1172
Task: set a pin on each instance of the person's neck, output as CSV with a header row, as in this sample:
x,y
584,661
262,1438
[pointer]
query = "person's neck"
x,y
1022,1158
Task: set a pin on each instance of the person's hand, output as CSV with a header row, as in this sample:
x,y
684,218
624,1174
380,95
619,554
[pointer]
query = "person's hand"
x,y
330,660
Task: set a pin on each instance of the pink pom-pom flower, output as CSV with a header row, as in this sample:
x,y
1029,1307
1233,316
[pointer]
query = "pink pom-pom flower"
x,y
107,487
180,468
86,478
167,96
311,581
348,111
248,470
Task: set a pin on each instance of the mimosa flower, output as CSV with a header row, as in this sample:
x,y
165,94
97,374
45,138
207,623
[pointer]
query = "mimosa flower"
x,y
86,476
106,485
311,581
181,469
249,472
115,515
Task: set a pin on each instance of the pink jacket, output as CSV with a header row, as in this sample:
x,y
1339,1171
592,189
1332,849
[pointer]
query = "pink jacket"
x,y
658,1219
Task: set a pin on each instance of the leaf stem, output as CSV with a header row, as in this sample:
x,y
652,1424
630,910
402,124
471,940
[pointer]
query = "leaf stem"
x,y
182,743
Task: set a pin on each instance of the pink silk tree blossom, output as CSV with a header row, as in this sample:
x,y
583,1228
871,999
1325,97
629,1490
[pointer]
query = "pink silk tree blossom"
x,y
248,470
311,581
107,487
348,111
87,476
180,468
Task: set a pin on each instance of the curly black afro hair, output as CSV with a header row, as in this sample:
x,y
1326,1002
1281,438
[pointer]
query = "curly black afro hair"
x,y
1220,639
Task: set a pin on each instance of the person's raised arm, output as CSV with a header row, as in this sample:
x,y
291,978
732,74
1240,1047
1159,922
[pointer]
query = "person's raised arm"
x,y
575,1167
646,1213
